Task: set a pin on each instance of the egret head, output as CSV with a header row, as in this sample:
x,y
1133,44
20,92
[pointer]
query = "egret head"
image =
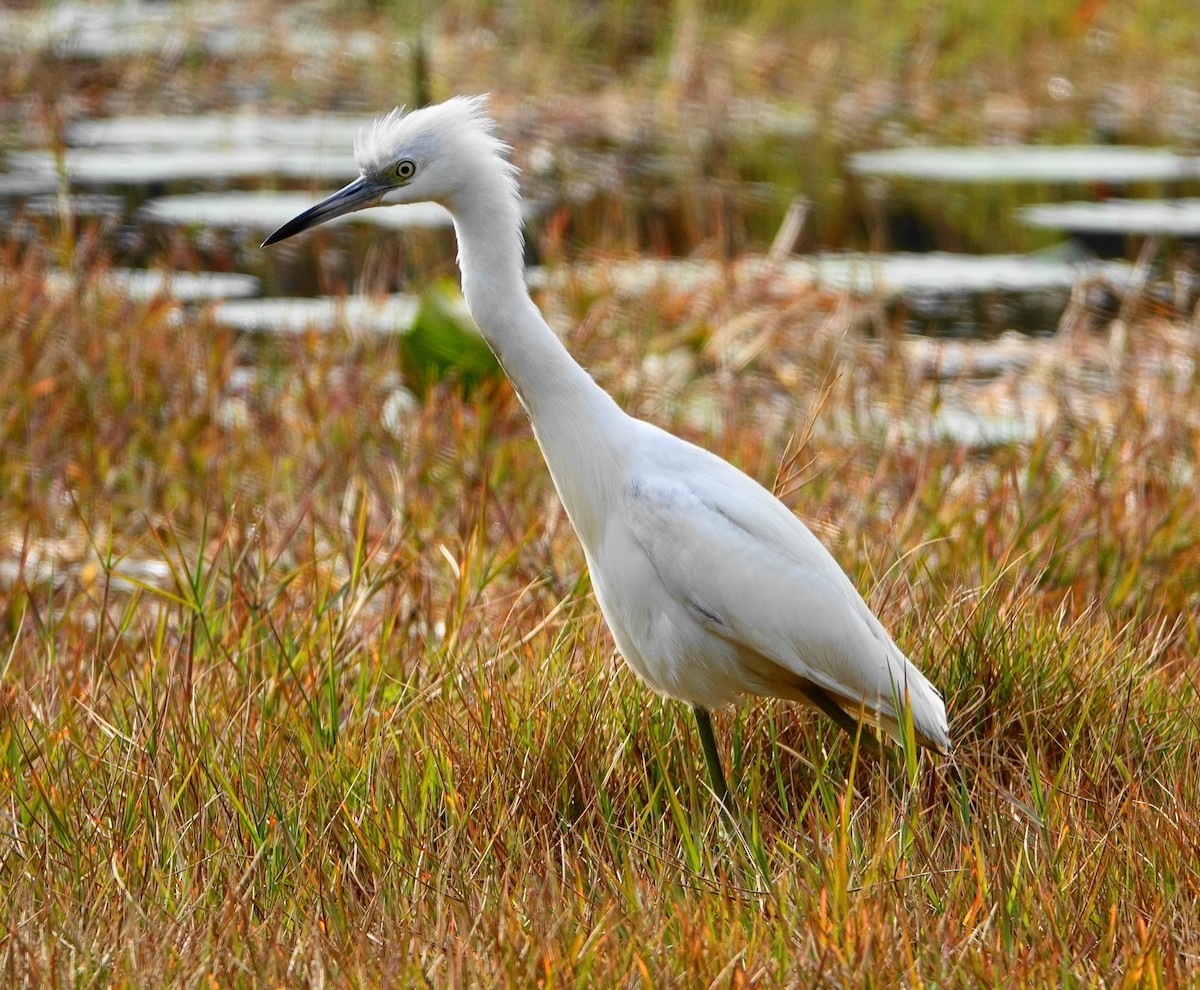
x,y
447,153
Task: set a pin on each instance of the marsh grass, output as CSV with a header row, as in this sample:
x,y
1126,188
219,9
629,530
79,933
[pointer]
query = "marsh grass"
x,y
296,694
362,724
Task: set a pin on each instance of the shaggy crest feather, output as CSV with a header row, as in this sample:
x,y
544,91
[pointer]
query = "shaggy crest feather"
x,y
376,140
462,122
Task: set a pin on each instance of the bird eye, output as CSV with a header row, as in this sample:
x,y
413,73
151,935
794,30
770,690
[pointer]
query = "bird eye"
x,y
405,169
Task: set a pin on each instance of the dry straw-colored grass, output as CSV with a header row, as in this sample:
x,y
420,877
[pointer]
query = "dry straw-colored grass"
x,y
362,723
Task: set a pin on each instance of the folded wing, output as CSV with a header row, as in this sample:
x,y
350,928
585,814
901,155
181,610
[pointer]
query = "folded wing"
x,y
751,572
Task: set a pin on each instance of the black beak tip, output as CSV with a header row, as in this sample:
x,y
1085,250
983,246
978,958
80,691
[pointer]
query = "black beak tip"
x,y
281,234
356,196
305,221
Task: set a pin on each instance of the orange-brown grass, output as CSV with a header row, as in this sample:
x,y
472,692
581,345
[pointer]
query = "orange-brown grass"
x,y
363,724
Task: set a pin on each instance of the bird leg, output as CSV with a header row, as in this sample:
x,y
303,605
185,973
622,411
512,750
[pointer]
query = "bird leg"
x,y
822,700
712,759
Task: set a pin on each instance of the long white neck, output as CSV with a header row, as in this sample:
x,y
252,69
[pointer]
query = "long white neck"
x,y
568,410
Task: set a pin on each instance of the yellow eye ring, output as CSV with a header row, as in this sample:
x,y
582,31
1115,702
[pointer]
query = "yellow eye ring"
x,y
405,169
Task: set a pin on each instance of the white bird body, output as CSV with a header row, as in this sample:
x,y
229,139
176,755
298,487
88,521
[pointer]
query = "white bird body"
x,y
711,587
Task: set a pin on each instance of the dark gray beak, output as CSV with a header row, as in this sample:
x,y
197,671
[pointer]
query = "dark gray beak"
x,y
358,195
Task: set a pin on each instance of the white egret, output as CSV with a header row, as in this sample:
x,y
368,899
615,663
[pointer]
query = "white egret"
x,y
712,588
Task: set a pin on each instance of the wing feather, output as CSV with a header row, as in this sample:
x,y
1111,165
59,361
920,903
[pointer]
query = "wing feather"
x,y
750,571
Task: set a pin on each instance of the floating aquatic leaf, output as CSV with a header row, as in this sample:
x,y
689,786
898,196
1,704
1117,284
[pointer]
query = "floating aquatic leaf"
x,y
386,316
1030,163
142,285
950,274
220,130
117,167
264,211
1167,217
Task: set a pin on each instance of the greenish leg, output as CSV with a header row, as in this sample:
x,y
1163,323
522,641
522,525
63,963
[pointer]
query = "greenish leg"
x,y
712,758
867,743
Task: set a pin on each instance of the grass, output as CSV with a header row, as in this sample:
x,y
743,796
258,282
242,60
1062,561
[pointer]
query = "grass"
x,y
368,726
295,693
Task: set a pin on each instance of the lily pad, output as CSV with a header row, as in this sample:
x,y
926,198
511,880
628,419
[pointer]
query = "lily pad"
x,y
891,275
384,316
77,204
219,130
265,211
101,31
1030,163
112,167
142,285
20,185
134,28
1166,217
